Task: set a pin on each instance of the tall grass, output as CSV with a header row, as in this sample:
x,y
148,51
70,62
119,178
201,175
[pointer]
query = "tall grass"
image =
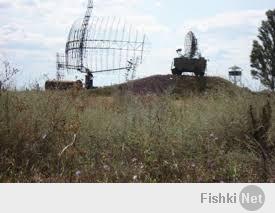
x,y
77,137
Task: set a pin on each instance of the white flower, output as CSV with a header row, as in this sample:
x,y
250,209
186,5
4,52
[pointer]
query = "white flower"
x,y
106,167
44,136
166,162
78,173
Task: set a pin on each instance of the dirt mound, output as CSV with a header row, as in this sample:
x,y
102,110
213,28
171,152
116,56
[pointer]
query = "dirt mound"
x,y
160,84
153,84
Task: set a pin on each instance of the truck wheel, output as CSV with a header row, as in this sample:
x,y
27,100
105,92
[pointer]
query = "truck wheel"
x,y
176,72
199,74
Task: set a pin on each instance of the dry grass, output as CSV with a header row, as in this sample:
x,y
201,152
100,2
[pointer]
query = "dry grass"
x,y
78,137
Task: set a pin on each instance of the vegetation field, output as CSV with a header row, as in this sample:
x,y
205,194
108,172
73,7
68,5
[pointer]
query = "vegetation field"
x,y
224,134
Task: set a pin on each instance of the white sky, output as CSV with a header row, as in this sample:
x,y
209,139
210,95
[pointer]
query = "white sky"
x,y
32,31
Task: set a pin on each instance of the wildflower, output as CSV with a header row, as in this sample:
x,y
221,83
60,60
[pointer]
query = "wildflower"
x,y
106,167
135,178
44,136
78,173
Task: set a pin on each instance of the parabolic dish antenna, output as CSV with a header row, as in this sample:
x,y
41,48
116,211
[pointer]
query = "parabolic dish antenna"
x,y
190,45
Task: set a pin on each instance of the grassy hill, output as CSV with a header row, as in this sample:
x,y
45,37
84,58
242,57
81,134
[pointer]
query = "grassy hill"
x,y
170,84
157,129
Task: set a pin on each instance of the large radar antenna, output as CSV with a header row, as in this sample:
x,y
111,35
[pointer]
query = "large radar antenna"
x,y
101,44
190,45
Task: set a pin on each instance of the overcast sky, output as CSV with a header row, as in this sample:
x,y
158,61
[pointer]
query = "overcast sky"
x,y
32,31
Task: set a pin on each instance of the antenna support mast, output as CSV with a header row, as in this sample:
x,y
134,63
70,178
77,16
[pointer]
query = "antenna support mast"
x,y
84,31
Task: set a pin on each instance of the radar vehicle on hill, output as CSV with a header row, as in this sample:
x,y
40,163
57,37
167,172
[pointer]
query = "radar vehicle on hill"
x,y
191,61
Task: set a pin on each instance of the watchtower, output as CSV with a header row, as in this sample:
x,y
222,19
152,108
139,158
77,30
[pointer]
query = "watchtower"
x,y
235,75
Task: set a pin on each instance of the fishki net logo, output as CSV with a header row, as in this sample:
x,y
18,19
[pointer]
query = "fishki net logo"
x,y
251,198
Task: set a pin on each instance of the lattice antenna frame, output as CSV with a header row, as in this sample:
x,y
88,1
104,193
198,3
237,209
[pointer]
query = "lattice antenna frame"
x,y
99,44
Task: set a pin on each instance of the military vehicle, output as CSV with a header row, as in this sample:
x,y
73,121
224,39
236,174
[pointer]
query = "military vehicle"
x,y
63,85
191,61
